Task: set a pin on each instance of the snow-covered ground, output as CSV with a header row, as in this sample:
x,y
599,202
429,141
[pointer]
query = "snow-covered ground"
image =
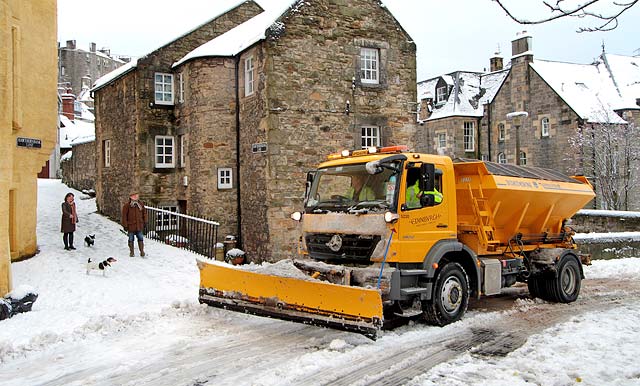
x,y
142,325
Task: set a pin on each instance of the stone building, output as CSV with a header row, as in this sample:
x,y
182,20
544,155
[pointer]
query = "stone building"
x,y
527,113
28,111
229,127
78,68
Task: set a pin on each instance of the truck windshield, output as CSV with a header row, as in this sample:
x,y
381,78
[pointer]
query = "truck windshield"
x,y
349,188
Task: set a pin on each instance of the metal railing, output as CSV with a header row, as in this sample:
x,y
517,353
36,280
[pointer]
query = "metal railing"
x,y
199,235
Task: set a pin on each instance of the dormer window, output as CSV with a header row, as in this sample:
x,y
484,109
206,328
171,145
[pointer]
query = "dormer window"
x,y
441,94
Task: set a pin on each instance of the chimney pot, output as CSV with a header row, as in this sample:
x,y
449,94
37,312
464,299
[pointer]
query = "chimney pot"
x,y
92,47
71,44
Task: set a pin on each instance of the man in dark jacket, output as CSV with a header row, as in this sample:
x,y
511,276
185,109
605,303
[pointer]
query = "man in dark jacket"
x,y
134,216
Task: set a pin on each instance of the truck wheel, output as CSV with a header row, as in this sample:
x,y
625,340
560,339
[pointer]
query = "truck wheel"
x,y
450,296
565,288
534,285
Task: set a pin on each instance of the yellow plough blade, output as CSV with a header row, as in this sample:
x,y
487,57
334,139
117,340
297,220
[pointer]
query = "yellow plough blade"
x,y
307,301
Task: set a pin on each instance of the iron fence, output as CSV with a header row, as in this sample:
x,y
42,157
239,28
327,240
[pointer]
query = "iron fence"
x,y
199,235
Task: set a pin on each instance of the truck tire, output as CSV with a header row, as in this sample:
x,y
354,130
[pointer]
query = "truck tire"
x,y
450,296
564,288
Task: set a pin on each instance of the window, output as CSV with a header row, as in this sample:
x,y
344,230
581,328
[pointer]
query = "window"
x,y
164,152
183,149
501,132
164,89
225,179
469,136
523,158
485,157
248,76
441,94
502,159
370,137
167,221
544,124
442,140
369,65
106,152
180,88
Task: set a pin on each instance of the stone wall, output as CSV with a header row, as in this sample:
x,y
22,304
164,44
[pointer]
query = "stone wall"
x,y
605,223
453,128
78,63
310,70
79,171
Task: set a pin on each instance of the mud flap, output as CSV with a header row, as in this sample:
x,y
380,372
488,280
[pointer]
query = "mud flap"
x,y
300,300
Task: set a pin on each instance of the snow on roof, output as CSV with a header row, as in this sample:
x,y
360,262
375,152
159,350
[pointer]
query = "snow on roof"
x,y
115,74
66,156
239,38
625,73
586,88
471,90
70,131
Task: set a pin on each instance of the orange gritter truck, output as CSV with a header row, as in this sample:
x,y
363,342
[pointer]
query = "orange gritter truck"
x,y
387,233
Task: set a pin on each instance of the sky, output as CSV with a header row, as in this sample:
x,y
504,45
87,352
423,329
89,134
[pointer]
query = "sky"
x,y
450,34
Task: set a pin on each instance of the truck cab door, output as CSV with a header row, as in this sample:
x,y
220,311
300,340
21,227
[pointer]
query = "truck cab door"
x,y
424,220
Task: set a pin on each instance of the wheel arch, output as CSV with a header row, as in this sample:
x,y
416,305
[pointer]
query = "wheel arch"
x,y
454,251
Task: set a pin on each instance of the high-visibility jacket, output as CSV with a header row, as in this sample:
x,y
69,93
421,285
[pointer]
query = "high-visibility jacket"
x,y
413,196
366,194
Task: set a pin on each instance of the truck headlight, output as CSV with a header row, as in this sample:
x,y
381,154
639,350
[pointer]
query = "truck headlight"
x,y
296,216
391,217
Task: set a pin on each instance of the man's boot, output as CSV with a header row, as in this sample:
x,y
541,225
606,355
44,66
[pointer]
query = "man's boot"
x,y
141,247
131,249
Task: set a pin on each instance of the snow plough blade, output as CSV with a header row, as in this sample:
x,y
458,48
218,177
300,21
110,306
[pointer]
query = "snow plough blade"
x,y
320,303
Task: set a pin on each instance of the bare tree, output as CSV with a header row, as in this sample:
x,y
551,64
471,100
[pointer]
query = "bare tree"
x,y
605,21
610,154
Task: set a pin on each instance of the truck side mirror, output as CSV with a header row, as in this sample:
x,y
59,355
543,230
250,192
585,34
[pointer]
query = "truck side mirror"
x,y
311,175
427,184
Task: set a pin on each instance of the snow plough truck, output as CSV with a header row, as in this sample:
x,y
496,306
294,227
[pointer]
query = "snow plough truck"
x,y
388,233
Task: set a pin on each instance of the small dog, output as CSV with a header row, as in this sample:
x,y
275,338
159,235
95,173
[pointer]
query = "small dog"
x,y
90,240
101,265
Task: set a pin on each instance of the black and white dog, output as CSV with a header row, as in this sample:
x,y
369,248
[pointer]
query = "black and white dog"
x,y
89,240
101,265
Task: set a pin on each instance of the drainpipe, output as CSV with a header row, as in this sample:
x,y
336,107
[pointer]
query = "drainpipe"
x,y
237,84
489,130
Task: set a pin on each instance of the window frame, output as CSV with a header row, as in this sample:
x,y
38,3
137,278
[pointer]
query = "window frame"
x,y
164,164
523,158
249,78
502,157
366,136
469,139
164,91
442,137
225,174
183,158
106,153
369,65
545,125
502,132
441,94
166,222
181,87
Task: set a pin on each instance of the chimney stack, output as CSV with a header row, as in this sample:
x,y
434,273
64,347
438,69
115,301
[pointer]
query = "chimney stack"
x,y
71,44
496,63
92,47
68,102
522,43
638,101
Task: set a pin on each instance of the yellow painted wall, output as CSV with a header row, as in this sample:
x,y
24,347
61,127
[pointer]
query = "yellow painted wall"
x,y
28,109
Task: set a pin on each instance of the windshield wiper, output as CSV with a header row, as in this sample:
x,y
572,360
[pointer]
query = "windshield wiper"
x,y
361,207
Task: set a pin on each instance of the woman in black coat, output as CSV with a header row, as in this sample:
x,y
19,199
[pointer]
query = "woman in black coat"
x,y
69,220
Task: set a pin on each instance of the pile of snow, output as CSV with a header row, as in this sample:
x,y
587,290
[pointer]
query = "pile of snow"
x,y
612,237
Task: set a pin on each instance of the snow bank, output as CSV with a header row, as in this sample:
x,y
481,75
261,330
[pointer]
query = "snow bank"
x,y
612,237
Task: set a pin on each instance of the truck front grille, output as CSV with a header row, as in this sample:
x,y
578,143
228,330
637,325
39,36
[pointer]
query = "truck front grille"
x,y
354,248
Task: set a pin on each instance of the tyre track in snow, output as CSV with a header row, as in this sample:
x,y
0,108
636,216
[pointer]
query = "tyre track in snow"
x,y
498,339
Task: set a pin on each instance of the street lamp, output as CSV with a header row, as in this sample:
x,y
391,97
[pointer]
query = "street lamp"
x,y
517,117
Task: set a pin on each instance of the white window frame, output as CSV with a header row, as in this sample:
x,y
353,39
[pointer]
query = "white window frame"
x,y
369,136
181,88
485,157
161,143
248,76
225,178
502,158
163,87
523,158
369,65
441,94
442,140
544,127
183,156
502,132
107,153
165,221
469,136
